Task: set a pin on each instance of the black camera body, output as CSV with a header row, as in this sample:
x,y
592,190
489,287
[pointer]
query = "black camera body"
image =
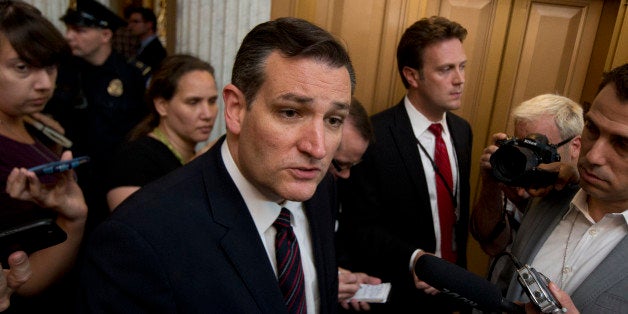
x,y
515,161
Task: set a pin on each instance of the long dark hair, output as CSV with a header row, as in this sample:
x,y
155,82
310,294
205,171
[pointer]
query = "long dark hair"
x,y
164,83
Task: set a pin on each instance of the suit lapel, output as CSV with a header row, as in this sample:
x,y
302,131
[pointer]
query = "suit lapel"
x,y
461,144
313,208
406,143
241,242
611,270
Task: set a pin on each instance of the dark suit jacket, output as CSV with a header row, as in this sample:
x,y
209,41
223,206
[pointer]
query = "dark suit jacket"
x,y
152,54
187,244
386,208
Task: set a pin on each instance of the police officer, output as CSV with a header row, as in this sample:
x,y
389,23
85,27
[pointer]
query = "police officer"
x,y
99,96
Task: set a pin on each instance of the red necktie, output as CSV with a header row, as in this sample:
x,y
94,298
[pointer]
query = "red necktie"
x,y
289,266
444,192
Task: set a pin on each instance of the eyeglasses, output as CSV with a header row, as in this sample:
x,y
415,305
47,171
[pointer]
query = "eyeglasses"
x,y
340,166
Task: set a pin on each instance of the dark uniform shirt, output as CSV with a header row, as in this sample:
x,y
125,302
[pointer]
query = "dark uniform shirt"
x,y
97,106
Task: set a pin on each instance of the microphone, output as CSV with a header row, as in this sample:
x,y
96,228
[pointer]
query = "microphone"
x,y
463,285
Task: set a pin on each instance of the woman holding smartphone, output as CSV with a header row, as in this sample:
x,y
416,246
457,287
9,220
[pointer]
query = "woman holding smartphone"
x,y
30,50
184,94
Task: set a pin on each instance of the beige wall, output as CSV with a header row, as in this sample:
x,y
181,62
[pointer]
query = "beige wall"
x,y
516,49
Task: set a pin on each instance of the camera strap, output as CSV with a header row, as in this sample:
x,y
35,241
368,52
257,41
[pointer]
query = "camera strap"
x,y
564,142
454,198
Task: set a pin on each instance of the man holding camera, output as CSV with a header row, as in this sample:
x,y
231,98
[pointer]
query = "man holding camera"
x,y
496,216
580,242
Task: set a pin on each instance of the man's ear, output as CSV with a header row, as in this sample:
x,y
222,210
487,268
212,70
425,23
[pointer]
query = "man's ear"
x,y
161,106
575,146
411,75
235,108
106,35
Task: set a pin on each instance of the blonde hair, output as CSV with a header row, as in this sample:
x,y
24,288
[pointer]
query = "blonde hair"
x,y
567,113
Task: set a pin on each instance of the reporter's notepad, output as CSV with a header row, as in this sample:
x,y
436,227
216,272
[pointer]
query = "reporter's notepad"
x,y
373,293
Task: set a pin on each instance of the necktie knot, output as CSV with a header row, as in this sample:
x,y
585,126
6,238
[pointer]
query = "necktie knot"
x,y
436,129
283,221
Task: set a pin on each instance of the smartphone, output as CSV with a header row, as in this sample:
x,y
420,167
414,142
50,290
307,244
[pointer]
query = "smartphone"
x,y
29,237
59,166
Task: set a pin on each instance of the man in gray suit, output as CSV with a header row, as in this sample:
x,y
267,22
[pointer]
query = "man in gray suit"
x,y
577,237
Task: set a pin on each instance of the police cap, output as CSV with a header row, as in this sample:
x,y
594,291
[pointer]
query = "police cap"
x,y
90,13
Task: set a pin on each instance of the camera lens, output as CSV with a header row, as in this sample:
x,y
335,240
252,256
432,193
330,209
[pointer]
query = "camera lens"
x,y
510,162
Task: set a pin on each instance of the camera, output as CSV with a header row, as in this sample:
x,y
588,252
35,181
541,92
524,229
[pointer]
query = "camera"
x,y
515,161
535,286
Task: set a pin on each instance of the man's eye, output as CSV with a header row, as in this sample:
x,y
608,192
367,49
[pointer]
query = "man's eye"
x,y
336,121
289,113
22,67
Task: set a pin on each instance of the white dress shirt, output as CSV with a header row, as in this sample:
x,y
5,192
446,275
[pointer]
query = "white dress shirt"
x,y
264,213
420,125
589,244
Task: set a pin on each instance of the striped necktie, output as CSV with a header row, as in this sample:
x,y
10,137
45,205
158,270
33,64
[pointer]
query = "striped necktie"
x,y
289,268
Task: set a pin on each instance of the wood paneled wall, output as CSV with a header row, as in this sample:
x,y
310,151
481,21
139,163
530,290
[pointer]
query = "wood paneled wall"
x,y
516,49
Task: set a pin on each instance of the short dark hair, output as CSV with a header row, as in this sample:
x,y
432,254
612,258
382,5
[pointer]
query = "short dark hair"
x,y
33,37
164,83
147,15
421,34
359,118
291,37
619,76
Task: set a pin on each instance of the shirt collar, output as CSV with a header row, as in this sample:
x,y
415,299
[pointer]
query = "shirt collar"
x,y
419,122
579,203
263,211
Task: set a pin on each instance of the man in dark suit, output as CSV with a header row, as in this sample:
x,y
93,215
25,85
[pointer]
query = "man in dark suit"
x,y
143,24
390,204
202,239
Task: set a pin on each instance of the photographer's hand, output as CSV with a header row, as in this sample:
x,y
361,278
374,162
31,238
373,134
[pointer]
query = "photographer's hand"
x,y
567,174
488,225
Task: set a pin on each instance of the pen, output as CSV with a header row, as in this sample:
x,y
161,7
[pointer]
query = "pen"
x,y
49,132
59,166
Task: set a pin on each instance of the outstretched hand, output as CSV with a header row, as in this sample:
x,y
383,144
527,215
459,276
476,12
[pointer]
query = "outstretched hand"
x,y
64,196
561,296
348,284
18,272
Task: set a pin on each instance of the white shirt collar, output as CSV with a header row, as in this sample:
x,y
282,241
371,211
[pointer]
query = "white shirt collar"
x,y
419,122
579,203
263,211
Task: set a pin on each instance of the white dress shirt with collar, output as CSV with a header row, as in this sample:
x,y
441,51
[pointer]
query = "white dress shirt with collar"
x,y
264,213
579,243
420,125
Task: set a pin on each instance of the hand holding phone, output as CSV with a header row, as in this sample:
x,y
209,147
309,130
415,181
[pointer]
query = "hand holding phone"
x,y
29,237
59,166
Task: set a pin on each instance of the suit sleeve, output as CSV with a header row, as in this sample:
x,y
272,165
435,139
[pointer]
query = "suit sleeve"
x,y
122,274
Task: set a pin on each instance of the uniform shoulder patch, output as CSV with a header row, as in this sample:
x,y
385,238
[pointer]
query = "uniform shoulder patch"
x,y
143,67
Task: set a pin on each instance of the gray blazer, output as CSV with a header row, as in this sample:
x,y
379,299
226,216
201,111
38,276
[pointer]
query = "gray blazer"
x,y
605,290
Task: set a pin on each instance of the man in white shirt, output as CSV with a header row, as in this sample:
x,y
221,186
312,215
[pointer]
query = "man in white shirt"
x,y
581,244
